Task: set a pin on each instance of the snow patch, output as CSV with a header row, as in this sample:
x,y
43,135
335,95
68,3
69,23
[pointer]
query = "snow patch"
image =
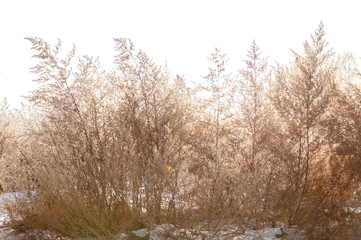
x,y
168,231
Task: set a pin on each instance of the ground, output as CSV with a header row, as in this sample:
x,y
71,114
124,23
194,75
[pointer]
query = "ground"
x,y
168,231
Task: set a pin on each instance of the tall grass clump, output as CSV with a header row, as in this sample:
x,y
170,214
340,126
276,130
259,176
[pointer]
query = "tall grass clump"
x,y
106,152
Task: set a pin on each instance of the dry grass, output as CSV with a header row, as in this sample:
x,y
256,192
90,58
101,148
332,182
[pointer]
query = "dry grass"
x,y
112,152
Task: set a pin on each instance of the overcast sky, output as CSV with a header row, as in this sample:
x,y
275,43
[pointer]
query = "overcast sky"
x,y
182,32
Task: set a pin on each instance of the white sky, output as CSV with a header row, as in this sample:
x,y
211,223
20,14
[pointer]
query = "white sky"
x,y
182,32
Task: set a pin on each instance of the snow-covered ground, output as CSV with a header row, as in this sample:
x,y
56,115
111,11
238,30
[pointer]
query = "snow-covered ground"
x,y
168,231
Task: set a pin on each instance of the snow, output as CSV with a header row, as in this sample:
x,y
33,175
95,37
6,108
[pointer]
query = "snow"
x,y
168,231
